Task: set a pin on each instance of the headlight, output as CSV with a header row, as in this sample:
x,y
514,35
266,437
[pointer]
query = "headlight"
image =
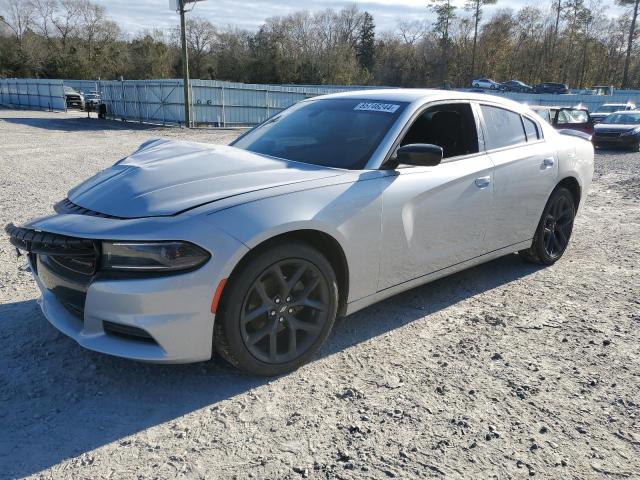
x,y
152,256
635,131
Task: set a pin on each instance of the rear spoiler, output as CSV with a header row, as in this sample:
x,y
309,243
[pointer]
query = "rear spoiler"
x,y
575,133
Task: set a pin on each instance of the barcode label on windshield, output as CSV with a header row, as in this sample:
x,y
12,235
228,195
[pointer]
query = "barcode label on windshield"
x,y
377,107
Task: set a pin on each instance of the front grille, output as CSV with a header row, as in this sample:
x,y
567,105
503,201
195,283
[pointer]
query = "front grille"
x,y
608,134
66,206
34,241
65,265
68,286
83,265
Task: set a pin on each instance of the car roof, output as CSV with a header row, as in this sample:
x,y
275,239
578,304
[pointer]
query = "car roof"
x,y
421,94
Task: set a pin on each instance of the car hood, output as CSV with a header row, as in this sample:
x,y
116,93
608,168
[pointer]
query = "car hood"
x,y
166,177
615,127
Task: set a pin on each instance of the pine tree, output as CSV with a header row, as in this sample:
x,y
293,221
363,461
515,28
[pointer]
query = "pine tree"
x,y
365,48
445,13
475,6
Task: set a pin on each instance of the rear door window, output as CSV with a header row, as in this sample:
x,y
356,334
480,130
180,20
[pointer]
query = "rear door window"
x,y
504,128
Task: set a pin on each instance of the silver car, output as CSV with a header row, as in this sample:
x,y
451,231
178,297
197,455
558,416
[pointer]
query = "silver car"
x,y
337,202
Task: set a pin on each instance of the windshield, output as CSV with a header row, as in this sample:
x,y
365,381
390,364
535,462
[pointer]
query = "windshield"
x,y
337,132
611,108
623,118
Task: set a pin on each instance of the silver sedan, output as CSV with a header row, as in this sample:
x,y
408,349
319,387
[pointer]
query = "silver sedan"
x,y
338,202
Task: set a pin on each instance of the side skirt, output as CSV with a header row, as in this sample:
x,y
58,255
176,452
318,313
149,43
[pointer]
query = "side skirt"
x,y
356,305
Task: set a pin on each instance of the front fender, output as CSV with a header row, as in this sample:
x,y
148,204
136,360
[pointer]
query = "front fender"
x,y
350,213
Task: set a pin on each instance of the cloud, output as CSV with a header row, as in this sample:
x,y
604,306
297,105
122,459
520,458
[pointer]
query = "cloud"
x,y
135,16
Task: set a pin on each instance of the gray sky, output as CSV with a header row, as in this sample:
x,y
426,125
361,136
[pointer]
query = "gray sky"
x,y
136,15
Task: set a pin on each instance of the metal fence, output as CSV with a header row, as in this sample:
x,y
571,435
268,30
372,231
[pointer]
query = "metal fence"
x,y
219,103
213,102
39,94
591,102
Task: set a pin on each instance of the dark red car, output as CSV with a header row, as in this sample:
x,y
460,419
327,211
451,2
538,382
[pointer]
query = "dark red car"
x,y
566,118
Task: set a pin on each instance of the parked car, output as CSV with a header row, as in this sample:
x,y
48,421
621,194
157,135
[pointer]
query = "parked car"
x,y
603,89
609,108
485,83
551,87
73,98
332,205
515,86
572,118
92,100
620,129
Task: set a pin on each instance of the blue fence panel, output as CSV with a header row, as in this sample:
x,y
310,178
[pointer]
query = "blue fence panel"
x,y
32,93
221,103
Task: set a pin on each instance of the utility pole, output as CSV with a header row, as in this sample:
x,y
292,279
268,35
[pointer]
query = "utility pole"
x,y
185,65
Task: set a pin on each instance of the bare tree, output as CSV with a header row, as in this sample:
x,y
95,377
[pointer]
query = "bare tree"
x,y
632,34
18,16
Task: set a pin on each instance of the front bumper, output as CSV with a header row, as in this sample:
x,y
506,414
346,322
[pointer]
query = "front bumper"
x,y
174,311
627,141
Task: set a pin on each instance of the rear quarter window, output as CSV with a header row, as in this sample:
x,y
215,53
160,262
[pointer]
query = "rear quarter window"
x,y
531,129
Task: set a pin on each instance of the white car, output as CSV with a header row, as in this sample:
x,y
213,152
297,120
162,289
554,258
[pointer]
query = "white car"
x,y
485,83
324,209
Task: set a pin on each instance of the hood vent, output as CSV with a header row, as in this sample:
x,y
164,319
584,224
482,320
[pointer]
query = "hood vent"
x,y
66,206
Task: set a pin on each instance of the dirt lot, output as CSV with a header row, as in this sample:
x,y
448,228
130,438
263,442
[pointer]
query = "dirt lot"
x,y
502,371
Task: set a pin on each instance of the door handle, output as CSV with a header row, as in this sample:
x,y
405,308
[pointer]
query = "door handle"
x,y
548,162
483,182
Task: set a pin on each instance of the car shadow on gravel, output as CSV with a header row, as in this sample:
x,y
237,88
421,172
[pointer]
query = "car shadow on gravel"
x,y
58,400
77,124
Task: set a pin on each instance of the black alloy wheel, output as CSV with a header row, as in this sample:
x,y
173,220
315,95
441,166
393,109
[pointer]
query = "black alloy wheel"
x,y
554,229
277,309
284,311
558,224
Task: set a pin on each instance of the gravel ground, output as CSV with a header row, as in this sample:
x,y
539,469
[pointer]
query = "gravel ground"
x,y
502,371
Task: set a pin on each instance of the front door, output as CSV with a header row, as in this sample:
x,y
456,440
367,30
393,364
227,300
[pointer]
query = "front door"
x,y
436,217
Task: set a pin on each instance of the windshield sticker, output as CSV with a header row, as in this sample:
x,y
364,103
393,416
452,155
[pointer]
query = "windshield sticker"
x,y
377,107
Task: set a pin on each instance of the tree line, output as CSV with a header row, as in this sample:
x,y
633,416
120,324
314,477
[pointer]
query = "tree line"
x,y
571,41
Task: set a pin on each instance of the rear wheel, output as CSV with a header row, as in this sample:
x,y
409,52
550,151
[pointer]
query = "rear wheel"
x,y
278,311
554,229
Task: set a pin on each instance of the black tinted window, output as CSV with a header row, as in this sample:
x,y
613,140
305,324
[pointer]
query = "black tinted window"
x,y
451,127
531,129
504,127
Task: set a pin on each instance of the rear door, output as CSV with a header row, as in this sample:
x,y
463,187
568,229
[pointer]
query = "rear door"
x,y
526,169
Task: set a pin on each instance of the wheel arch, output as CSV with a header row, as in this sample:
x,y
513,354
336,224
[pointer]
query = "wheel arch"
x,y
571,183
326,244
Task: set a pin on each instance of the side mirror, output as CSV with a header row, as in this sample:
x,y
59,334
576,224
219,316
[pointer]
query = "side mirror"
x,y
420,154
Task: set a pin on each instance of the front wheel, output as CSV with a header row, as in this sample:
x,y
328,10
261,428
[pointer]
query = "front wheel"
x,y
279,310
554,229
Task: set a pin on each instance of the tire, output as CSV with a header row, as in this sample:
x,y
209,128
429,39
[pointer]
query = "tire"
x,y
476,85
268,323
554,229
635,147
